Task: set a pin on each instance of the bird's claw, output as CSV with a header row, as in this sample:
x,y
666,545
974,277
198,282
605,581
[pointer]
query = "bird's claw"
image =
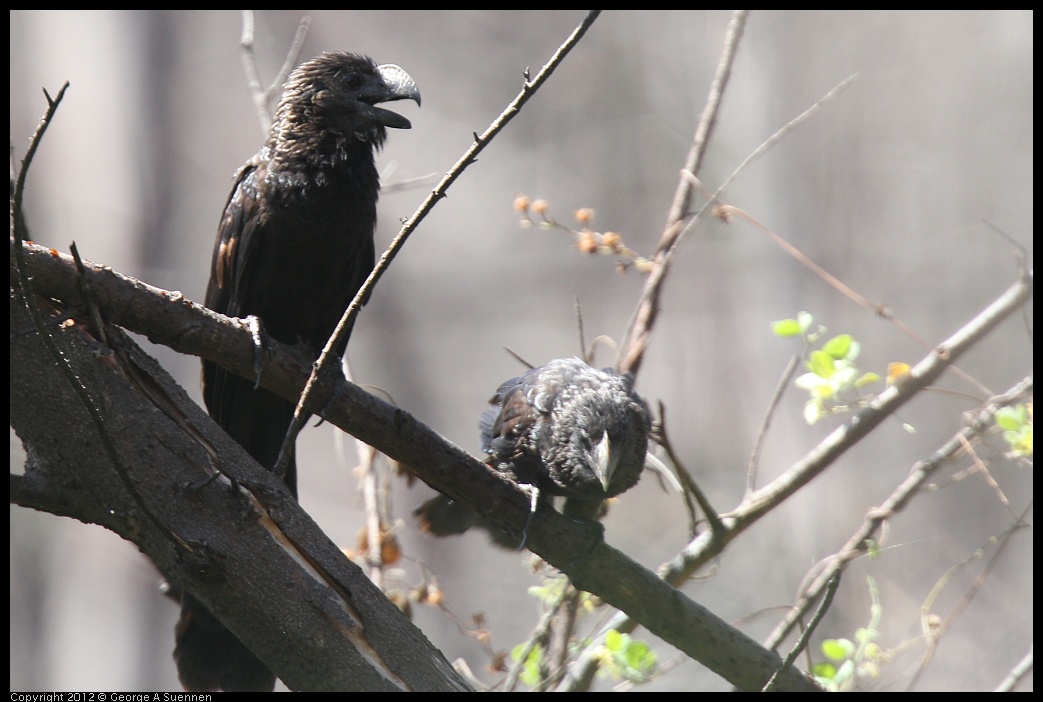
x,y
534,499
261,349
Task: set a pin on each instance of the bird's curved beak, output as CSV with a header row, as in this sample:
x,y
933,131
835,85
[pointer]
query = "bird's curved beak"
x,y
396,85
604,461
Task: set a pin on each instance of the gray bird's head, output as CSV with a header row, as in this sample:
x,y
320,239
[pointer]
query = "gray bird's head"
x,y
610,431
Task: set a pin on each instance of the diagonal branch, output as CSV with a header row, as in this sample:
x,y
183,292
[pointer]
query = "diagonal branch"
x,y
919,474
529,89
576,548
754,506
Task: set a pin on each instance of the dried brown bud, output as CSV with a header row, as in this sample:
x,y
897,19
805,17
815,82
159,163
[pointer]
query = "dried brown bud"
x,y
612,240
587,243
498,664
390,551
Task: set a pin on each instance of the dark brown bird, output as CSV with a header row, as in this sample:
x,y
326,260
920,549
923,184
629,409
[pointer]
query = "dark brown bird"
x,y
293,247
565,429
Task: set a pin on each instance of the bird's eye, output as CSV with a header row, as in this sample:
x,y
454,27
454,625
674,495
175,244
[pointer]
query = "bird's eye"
x,y
352,81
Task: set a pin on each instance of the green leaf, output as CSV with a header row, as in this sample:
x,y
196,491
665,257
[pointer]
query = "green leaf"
x,y
838,649
530,674
824,670
867,379
821,364
640,656
1011,417
787,327
839,346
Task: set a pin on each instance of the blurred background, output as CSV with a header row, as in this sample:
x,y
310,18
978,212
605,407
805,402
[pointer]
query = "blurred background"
x,y
894,187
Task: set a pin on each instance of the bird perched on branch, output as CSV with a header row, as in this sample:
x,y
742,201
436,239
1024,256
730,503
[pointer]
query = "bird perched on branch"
x,y
565,429
293,247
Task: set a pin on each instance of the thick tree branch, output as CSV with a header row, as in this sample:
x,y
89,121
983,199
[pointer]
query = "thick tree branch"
x,y
207,515
574,548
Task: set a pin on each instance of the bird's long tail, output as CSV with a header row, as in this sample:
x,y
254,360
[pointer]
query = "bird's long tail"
x,y
209,657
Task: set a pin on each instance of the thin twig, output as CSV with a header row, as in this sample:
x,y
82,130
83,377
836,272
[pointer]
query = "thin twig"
x,y
678,230
777,136
802,642
1018,672
262,96
933,634
97,328
879,309
292,57
18,225
375,502
690,486
762,432
587,356
539,633
529,88
635,340
912,486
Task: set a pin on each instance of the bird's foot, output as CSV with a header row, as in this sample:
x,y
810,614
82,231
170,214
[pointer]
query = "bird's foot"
x,y
534,500
262,351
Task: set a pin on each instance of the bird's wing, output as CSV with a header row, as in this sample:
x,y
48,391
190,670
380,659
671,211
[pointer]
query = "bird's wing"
x,y
508,417
235,239
256,420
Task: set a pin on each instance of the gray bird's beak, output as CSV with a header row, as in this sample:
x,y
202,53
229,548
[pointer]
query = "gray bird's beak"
x,y
398,85
604,461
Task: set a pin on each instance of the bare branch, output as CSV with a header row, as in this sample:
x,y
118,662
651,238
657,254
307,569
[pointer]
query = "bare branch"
x,y
805,635
576,548
470,156
678,229
262,96
709,544
635,341
762,432
17,214
1017,673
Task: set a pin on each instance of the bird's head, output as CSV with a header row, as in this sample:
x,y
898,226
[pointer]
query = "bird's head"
x,y
340,92
609,425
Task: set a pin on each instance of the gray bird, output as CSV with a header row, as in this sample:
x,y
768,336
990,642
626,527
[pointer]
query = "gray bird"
x,y
565,429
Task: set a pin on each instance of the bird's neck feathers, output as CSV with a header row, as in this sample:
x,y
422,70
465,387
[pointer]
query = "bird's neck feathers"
x,y
311,150
306,162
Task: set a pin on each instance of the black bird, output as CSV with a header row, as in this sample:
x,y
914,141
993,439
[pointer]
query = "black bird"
x,y
565,429
293,247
